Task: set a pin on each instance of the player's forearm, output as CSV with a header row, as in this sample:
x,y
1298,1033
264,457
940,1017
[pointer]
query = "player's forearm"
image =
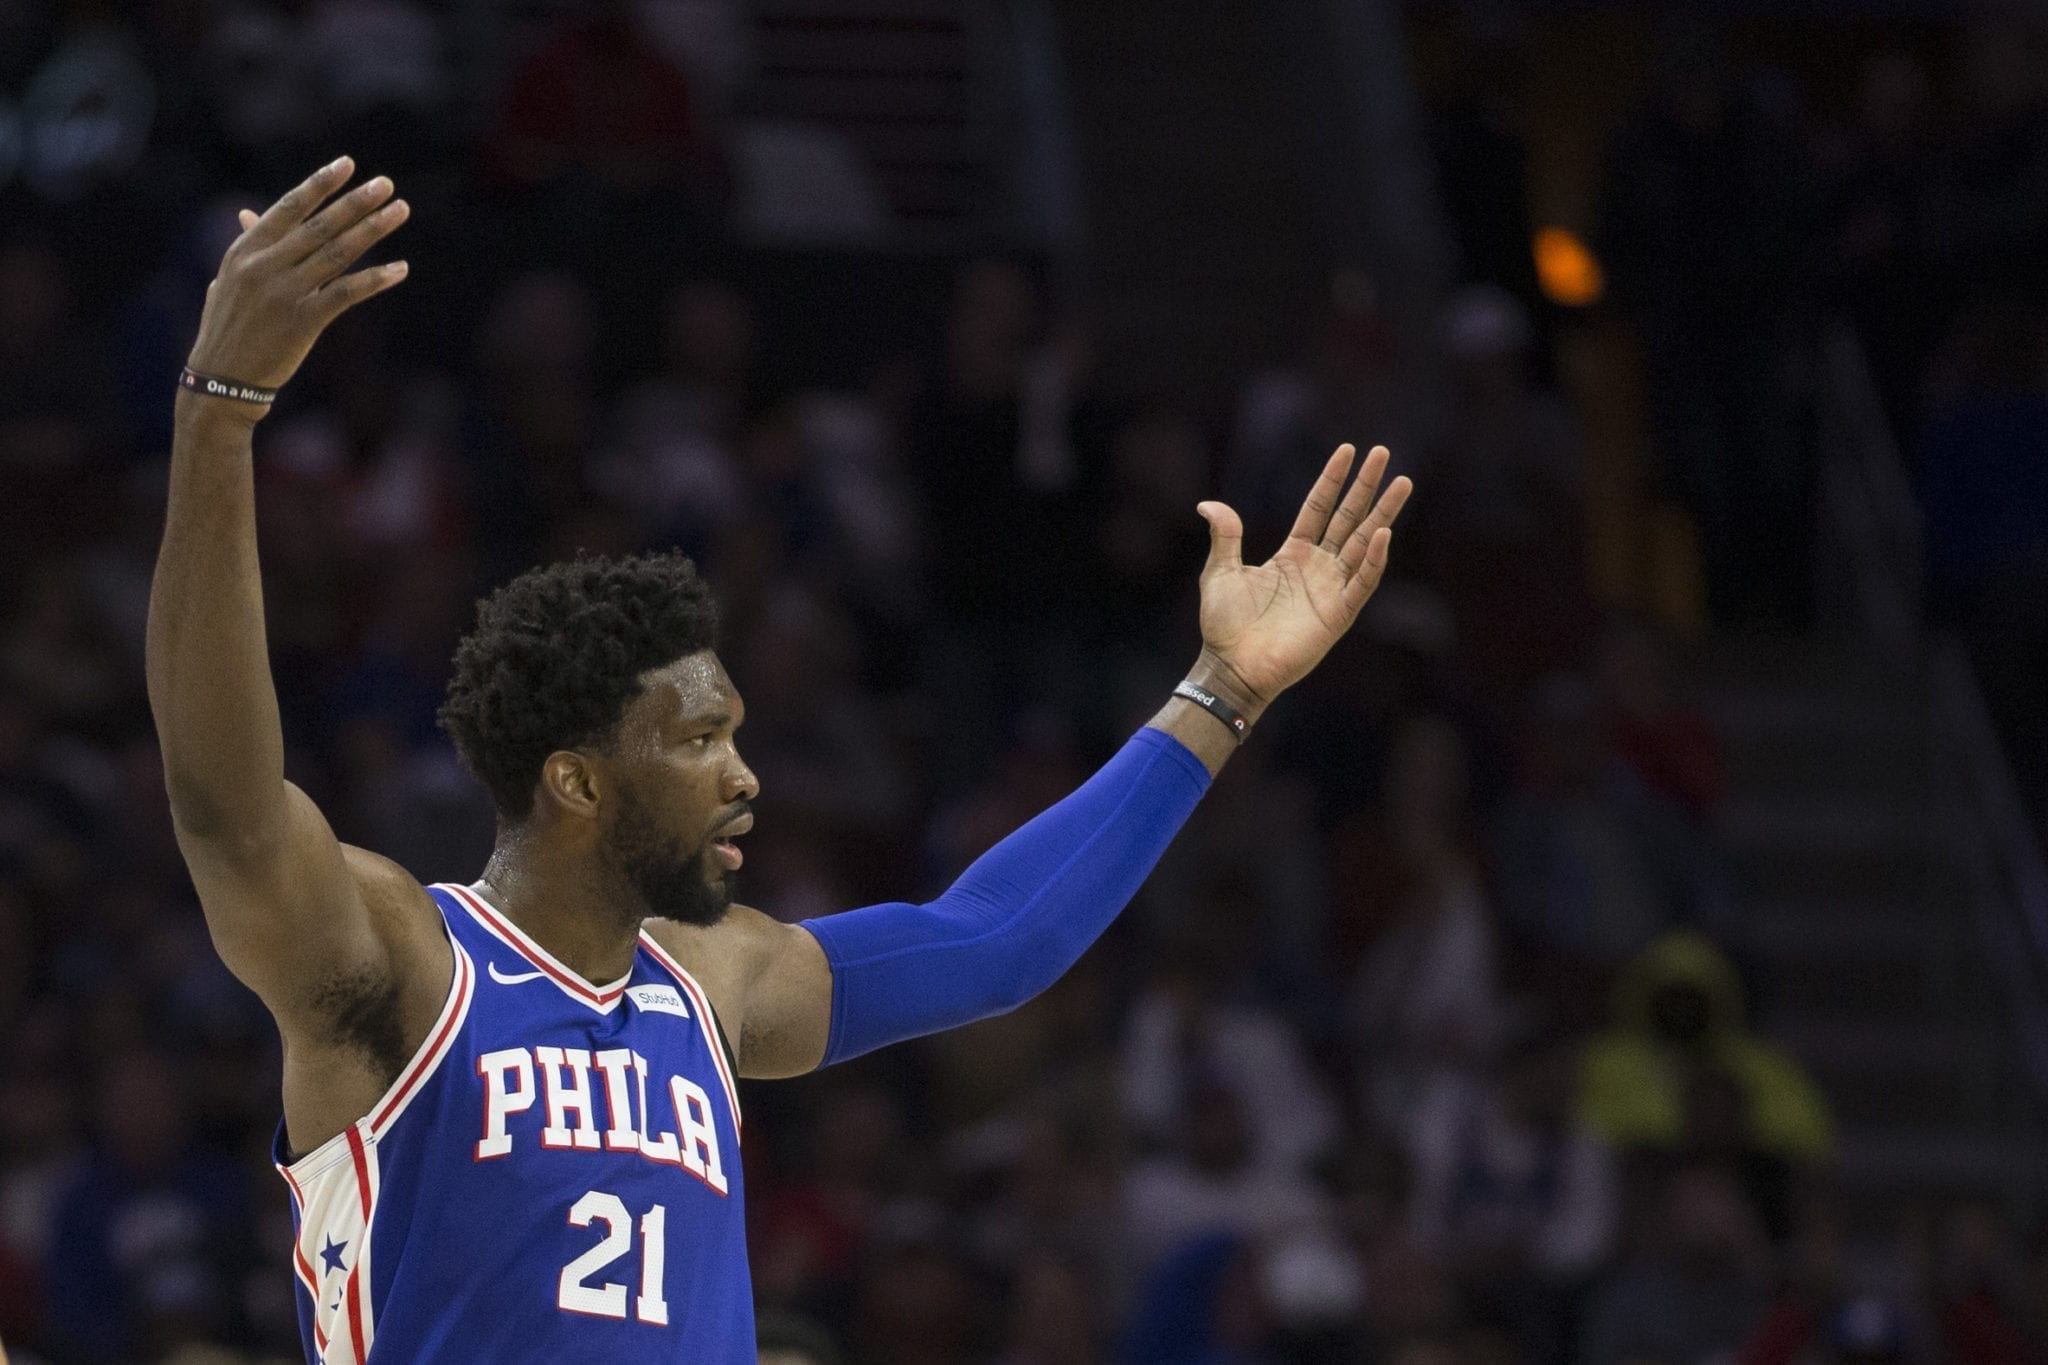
x,y
207,657
1017,919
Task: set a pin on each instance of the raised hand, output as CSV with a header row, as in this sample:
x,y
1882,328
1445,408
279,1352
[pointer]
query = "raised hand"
x,y
1265,626
282,280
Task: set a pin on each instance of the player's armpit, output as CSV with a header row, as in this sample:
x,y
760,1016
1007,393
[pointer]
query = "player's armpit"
x,y
769,982
297,912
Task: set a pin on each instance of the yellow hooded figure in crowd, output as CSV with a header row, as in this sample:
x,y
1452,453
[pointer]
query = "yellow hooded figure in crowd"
x,y
1680,1068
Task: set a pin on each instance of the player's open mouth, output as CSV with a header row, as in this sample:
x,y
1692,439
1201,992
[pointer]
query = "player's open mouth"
x,y
722,842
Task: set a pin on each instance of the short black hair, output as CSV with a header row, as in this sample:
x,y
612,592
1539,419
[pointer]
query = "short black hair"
x,y
557,654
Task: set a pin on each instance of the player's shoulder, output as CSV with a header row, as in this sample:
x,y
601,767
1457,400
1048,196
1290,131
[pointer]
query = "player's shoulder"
x,y
724,957
399,907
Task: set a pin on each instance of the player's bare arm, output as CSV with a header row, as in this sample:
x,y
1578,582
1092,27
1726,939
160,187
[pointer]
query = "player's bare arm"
x,y
1264,627
341,945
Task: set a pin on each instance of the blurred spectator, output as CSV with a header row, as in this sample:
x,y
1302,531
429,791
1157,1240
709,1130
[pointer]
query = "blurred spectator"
x,y
674,462
1692,1291
257,106
1210,1182
821,745
1678,1072
1706,221
598,104
603,157
96,80
1407,1287
1189,1031
1007,434
1423,1002
377,70
144,1252
1514,1193
1590,864
532,418
1357,383
1042,1179
1670,748
1507,486
1482,155
413,805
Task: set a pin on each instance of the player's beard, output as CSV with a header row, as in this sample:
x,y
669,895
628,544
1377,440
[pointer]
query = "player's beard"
x,y
642,853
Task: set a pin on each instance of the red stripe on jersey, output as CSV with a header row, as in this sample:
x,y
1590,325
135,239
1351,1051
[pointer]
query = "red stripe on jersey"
x,y
709,1026
355,1313
360,1155
424,1065
355,1274
513,936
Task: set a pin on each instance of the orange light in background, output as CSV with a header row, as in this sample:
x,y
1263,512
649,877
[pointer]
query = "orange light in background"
x,y
1567,269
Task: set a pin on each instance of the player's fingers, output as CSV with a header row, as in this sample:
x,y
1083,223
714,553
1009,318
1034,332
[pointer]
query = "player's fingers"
x,y
317,236
1357,549
1226,536
299,201
332,257
247,218
1359,587
1356,500
339,296
1322,499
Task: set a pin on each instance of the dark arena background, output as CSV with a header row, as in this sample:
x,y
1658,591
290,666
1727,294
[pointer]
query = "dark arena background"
x,y
1627,949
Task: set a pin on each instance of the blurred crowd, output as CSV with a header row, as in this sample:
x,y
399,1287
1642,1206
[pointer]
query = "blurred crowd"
x,y
1427,1043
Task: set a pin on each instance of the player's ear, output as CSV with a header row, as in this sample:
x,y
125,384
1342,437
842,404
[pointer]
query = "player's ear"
x,y
569,782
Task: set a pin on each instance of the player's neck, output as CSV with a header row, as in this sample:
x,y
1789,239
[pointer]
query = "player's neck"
x,y
571,912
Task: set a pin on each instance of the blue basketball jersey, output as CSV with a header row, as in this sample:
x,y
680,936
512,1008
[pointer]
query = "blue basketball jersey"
x,y
555,1175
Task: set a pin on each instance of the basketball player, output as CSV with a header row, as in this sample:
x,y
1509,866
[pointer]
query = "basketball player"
x,y
510,1130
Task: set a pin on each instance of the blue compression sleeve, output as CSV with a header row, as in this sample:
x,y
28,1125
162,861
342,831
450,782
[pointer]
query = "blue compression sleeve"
x,y
1019,917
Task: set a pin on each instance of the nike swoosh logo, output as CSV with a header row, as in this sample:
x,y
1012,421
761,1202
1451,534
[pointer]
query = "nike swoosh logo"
x,y
504,980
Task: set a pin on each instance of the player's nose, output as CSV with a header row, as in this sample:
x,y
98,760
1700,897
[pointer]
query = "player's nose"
x,y
740,782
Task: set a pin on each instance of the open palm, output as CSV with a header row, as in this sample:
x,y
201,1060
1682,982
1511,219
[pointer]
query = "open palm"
x,y
1271,623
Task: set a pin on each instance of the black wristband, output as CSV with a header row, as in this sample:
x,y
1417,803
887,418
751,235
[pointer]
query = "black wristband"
x,y
224,388
1215,706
